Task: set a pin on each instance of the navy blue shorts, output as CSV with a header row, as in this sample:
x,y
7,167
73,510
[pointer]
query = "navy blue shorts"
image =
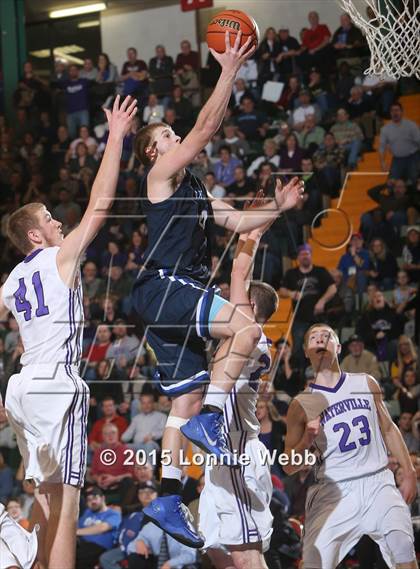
x,y
176,313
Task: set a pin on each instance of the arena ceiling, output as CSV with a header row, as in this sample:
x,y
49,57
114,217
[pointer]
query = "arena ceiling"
x,y
38,11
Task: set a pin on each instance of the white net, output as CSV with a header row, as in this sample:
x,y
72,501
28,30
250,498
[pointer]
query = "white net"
x,y
392,30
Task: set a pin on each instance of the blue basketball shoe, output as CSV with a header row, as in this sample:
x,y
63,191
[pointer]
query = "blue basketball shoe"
x,y
171,515
206,431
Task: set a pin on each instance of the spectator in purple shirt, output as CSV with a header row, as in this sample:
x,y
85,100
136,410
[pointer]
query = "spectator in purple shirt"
x,y
76,101
224,170
134,75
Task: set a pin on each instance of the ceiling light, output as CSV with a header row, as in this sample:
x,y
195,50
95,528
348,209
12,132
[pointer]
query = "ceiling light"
x,y
78,10
90,24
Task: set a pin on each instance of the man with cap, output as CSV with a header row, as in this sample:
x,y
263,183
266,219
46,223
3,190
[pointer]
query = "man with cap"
x,y
289,49
355,263
359,360
304,109
310,287
97,529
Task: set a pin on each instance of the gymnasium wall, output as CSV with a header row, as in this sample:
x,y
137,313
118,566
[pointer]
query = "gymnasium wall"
x,y
169,25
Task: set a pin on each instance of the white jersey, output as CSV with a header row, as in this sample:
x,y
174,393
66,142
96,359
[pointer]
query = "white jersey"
x,y
349,444
240,407
49,314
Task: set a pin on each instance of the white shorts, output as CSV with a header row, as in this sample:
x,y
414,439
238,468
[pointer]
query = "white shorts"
x,y
47,407
18,547
235,503
339,514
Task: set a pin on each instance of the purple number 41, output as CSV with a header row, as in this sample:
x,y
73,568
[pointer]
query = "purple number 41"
x,y
23,305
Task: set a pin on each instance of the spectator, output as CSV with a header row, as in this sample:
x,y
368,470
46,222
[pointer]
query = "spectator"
x,y
135,253
142,478
239,90
65,204
344,83
97,530
238,146
355,263
124,349
405,426
31,93
318,90
6,480
403,292
272,429
184,111
224,169
266,56
291,155
406,357
360,360
134,75
393,200
328,160
290,96
361,110
242,185
161,69
99,349
287,378
91,283
349,136
84,136
130,527
304,108
187,58
14,509
119,283
289,49
315,42
312,188
110,415
380,327
408,392
374,225
271,155
411,254
153,111
146,428
107,71
383,266
311,136
60,148
313,286
7,436
339,309
146,550
347,42
64,182
112,478
88,71
402,138
251,122
83,161
216,190
76,101
201,165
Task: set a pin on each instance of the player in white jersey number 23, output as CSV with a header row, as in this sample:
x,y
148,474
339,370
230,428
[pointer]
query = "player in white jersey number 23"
x,y
342,417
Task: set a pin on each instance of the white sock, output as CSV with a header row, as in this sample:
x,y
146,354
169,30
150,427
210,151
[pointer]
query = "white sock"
x,y
216,397
173,472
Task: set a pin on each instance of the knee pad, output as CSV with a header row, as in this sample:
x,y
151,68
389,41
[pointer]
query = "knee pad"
x,y
175,422
401,545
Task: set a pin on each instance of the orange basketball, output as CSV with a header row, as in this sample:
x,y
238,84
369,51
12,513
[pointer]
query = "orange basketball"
x,y
231,21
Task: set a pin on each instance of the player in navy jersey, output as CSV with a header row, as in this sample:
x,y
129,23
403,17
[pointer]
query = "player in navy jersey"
x,y
342,417
47,403
172,293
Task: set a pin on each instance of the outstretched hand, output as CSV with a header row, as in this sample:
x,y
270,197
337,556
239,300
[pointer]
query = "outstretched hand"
x,y
233,57
121,117
291,195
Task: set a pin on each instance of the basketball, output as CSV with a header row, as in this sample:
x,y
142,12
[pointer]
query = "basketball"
x,y
232,21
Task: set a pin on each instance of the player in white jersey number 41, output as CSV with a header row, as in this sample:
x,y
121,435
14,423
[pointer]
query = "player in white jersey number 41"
x,y
47,402
342,417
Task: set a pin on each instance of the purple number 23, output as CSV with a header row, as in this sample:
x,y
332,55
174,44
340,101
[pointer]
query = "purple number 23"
x,y
364,430
23,305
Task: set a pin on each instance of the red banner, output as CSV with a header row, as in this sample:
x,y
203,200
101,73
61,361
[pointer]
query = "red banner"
x,y
187,5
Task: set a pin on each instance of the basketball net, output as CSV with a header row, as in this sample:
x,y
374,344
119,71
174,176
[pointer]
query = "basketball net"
x,y
392,30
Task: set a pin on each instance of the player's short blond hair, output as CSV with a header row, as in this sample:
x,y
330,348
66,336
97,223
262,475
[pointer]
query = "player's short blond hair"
x,y
20,222
320,325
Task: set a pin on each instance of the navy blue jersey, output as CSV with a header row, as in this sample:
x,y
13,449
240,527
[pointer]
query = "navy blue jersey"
x,y
179,231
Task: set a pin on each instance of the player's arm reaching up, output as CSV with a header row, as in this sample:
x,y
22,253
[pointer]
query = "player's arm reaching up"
x,y
103,191
208,121
395,444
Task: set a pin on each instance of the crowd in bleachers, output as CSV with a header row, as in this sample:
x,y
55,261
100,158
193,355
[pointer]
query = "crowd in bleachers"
x,y
327,116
